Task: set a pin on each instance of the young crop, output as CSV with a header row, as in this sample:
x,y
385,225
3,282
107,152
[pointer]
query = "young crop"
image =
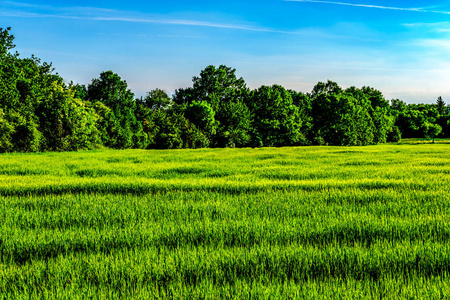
x,y
311,222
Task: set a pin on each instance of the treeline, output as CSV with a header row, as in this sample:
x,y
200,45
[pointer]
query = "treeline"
x,y
39,112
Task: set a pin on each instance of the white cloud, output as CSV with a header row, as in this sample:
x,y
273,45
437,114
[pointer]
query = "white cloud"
x,y
109,15
434,27
373,6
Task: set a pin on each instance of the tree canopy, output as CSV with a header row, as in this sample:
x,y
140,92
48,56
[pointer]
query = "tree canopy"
x,y
40,112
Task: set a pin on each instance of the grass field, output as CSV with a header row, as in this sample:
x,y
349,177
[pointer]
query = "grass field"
x,y
268,223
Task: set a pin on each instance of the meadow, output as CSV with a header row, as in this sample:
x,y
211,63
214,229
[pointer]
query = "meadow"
x,y
265,223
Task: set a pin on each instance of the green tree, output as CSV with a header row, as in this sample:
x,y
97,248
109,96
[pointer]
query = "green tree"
x,y
329,88
432,130
113,92
66,122
6,41
6,131
80,91
440,105
81,125
379,110
202,115
227,95
444,117
414,120
26,136
169,129
156,99
276,120
398,105
341,117
234,127
219,85
106,123
304,104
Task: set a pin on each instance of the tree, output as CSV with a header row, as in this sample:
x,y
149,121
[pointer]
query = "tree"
x,y
432,130
341,117
226,94
394,135
234,125
415,119
66,123
303,102
398,105
276,120
6,41
156,99
169,129
6,131
329,88
80,91
202,116
379,110
82,132
113,92
106,123
218,85
440,105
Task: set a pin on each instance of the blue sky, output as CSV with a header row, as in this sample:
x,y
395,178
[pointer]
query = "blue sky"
x,y
401,48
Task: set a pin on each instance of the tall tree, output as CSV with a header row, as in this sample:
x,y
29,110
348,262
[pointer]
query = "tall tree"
x,y
440,104
379,110
304,104
226,94
156,99
341,117
113,92
6,41
276,120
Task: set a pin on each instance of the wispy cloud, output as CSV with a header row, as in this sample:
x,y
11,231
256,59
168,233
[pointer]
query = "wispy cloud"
x,y
180,22
435,27
108,15
418,9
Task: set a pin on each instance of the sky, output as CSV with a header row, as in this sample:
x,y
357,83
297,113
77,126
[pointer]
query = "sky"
x,y
401,48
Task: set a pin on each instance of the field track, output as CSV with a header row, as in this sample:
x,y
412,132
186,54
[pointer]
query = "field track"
x,y
266,223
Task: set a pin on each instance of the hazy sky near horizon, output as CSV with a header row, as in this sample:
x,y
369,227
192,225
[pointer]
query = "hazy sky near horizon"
x,y
401,48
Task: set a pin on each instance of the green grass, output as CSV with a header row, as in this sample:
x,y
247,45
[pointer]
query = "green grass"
x,y
269,223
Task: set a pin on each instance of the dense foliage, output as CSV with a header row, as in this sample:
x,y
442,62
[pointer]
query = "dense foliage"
x,y
39,112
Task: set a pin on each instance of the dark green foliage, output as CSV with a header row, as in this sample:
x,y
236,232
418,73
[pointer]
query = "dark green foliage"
x,y
341,117
394,135
304,104
226,95
156,99
219,85
169,129
202,115
420,121
234,125
6,131
440,105
432,130
26,135
381,114
39,112
113,92
80,91
6,41
276,120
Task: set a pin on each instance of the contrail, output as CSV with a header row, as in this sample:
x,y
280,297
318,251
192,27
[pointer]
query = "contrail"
x,y
373,6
